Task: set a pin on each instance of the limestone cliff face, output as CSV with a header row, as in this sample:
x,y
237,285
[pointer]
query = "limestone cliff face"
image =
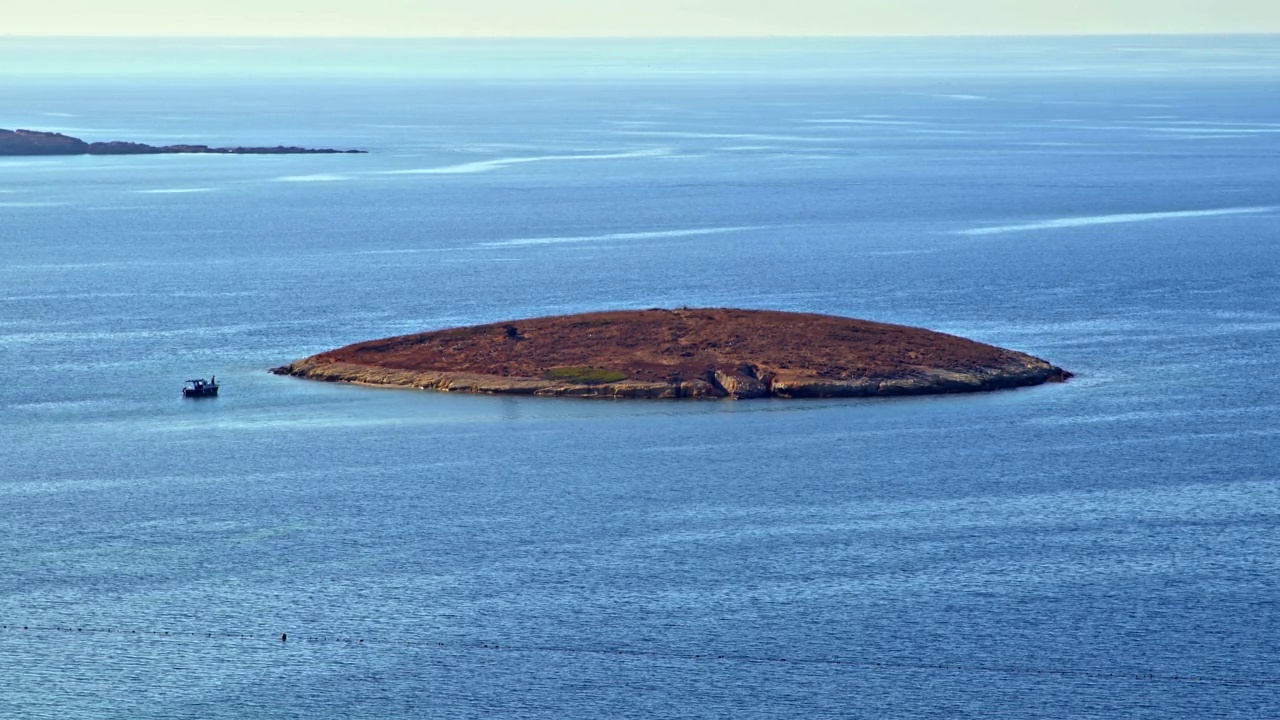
x,y
687,353
472,382
1016,373
1033,372
742,383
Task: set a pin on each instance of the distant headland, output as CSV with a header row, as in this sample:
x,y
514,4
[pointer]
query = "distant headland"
x,y
36,142
683,353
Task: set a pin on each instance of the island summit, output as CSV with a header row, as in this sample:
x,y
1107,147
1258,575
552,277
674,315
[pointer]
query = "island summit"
x,y
683,353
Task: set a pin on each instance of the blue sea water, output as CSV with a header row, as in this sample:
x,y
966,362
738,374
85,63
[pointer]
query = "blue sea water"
x,y
1105,548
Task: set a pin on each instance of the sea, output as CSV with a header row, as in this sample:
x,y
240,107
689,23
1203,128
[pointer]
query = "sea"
x,y
1104,548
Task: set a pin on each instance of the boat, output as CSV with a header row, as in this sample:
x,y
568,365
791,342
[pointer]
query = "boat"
x,y
201,388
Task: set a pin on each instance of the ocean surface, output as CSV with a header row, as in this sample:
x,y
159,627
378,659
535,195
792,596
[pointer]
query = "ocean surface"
x,y
1104,548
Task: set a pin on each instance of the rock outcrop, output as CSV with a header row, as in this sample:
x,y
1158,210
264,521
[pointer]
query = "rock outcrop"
x,y
35,142
685,353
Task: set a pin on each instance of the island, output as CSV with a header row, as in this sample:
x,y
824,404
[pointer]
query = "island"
x,y
36,142
682,353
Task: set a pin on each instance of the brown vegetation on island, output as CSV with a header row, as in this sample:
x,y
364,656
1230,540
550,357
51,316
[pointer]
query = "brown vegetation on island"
x,y
659,353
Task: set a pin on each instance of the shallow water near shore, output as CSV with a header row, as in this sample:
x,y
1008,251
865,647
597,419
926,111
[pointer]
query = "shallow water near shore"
x,y
1102,548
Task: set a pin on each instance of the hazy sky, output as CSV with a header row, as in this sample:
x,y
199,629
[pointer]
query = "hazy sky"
x,y
594,18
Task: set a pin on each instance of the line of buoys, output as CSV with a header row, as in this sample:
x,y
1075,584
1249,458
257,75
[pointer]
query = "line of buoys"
x,y
901,664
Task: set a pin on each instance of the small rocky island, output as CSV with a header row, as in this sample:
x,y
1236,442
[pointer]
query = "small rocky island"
x,y
684,353
36,142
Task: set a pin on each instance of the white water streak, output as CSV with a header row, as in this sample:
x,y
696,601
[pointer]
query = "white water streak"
x,y
487,165
1115,219
317,177
766,137
862,121
653,234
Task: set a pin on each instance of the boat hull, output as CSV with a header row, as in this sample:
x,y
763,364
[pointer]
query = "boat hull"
x,y
199,389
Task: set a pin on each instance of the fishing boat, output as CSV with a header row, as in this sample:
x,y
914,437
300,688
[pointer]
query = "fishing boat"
x,y
201,388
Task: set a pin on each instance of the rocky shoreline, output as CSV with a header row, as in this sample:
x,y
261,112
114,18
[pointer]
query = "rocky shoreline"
x,y
687,353
738,386
36,142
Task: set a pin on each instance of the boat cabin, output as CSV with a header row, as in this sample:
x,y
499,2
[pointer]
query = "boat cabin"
x,y
201,388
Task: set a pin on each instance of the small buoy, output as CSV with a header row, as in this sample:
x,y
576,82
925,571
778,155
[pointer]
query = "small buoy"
x,y
284,637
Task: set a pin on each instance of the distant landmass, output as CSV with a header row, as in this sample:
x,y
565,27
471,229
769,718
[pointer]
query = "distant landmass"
x,y
683,353
36,142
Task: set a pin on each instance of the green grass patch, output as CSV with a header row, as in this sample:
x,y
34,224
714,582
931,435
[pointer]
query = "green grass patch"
x,y
584,375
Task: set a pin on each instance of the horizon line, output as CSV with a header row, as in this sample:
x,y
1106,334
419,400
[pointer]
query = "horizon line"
x,y
880,36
